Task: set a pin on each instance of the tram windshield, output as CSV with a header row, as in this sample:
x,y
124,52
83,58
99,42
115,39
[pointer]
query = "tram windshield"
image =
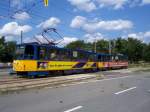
x,y
25,52
20,52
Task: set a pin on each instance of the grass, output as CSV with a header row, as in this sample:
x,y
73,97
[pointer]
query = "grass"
x,y
139,65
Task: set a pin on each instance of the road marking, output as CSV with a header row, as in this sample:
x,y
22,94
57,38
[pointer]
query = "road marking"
x,y
73,109
125,90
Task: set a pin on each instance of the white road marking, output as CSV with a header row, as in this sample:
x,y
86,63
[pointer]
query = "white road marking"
x,y
73,109
125,90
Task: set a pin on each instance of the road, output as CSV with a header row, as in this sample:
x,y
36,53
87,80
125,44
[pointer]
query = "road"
x,y
129,93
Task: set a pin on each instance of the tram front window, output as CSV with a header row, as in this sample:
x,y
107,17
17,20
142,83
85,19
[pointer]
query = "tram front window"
x,y
25,52
20,52
29,52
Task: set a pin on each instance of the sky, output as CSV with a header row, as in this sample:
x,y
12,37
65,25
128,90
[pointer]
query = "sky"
x,y
87,20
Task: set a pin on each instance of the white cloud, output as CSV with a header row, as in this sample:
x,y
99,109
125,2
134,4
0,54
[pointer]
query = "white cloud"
x,y
36,38
145,2
116,4
147,34
143,36
16,3
78,21
20,4
21,16
134,35
28,40
93,37
9,38
67,40
51,22
94,25
85,5
90,5
41,39
13,28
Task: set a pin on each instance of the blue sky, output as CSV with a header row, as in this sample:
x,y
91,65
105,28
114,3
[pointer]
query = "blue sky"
x,y
76,19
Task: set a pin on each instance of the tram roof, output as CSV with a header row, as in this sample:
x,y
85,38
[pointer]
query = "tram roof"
x,y
53,46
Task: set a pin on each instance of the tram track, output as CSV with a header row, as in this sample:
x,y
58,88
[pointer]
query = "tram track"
x,y
21,80
21,84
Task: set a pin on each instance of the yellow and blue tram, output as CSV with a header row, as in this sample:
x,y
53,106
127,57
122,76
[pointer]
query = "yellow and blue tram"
x,y
33,59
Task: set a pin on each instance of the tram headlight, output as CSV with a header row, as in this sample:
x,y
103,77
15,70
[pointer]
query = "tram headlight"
x,y
42,64
45,65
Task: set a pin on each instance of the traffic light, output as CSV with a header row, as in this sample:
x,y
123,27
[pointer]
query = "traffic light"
x,y
46,3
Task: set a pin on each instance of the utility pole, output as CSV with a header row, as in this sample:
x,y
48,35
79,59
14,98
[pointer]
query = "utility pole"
x,y
95,46
109,47
114,46
21,35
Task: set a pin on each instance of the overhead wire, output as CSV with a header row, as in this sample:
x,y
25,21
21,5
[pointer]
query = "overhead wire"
x,y
42,17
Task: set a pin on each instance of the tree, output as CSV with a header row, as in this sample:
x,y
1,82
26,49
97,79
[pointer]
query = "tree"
x,y
79,44
120,46
134,49
146,53
2,47
6,50
102,46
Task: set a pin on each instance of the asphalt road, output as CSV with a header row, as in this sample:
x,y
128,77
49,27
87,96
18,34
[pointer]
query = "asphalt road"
x,y
120,94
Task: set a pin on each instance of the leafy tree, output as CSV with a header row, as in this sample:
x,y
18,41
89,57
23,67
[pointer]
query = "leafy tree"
x,y
102,46
6,50
120,46
146,53
134,49
76,45
2,47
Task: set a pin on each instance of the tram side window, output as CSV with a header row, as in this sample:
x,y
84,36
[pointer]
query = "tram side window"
x,y
125,58
29,52
74,55
108,58
105,58
58,54
64,55
99,58
91,57
122,58
102,58
82,56
53,54
42,53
